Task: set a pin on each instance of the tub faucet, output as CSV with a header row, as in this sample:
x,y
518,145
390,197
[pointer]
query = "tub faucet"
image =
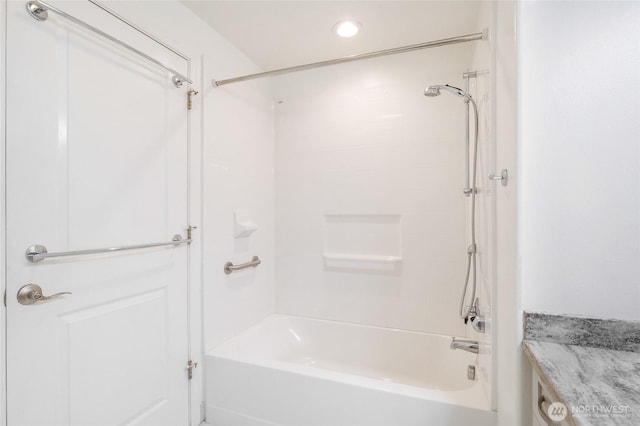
x,y
465,345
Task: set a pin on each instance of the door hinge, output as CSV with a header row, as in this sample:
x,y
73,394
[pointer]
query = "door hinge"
x,y
190,366
190,231
190,95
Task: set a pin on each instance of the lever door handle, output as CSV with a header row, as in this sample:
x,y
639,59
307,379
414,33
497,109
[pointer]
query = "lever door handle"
x,y
32,293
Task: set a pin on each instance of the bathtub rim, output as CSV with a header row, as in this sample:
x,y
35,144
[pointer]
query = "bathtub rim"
x,y
474,397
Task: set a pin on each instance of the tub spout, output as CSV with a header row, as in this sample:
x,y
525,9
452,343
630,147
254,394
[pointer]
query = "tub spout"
x,y
465,345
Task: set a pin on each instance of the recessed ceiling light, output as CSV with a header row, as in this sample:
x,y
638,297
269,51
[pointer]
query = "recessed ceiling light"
x,y
347,28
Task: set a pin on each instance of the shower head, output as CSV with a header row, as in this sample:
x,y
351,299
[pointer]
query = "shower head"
x,y
434,90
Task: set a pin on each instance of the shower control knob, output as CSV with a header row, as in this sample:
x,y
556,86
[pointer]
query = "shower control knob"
x,y
478,323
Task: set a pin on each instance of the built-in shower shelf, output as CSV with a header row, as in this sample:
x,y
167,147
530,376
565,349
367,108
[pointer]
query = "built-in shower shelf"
x,y
363,258
364,263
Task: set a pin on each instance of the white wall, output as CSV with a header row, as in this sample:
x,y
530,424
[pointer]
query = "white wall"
x,y
238,174
368,166
579,112
513,400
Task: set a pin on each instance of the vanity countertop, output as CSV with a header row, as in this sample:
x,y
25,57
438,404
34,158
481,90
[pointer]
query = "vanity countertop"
x,y
590,365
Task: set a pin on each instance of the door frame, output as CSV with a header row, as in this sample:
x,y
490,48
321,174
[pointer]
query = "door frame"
x,y
3,226
194,147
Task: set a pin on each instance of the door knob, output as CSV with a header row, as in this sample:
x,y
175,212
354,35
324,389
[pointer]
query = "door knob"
x,y
32,293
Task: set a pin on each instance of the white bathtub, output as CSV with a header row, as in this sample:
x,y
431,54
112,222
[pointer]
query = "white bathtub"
x,y
293,371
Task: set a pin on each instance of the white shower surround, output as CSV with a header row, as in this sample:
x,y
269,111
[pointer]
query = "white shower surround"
x,y
357,143
291,371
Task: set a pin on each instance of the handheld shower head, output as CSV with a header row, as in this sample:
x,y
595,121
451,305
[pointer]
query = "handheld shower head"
x,y
434,90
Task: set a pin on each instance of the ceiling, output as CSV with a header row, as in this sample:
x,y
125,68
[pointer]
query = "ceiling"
x,y
278,34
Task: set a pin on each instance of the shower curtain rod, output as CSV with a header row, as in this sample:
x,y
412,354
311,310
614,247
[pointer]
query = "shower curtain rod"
x,y
436,43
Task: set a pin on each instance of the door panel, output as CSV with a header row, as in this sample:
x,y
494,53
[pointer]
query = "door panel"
x,y
96,157
128,331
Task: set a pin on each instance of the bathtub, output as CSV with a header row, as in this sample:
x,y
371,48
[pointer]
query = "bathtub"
x,y
293,371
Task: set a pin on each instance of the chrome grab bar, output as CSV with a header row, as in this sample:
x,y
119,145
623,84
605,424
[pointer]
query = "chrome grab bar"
x,y
38,9
230,267
37,253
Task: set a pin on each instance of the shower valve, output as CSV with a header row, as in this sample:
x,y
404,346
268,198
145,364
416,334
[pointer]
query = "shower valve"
x,y
478,323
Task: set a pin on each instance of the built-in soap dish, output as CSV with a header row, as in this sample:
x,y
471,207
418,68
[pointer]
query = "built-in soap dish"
x,y
243,226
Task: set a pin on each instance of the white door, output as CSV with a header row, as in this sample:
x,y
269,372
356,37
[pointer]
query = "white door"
x,y
96,157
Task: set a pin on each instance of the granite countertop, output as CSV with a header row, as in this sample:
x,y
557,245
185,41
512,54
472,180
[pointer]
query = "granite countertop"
x,y
590,365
